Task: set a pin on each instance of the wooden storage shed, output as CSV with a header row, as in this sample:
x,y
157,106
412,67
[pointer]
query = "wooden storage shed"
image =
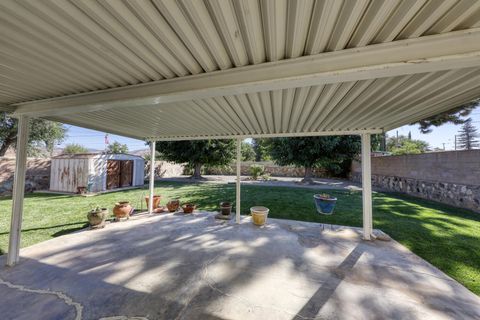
x,y
96,172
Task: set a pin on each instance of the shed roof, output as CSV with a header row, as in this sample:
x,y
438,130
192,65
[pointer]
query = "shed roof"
x,y
167,69
94,155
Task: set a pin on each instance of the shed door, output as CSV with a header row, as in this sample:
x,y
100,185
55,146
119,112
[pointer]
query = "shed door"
x,y
113,174
126,173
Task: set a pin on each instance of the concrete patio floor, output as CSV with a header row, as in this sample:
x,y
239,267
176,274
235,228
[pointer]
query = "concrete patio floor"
x,y
173,266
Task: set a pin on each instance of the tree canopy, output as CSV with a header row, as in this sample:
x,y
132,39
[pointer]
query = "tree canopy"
x,y
456,116
74,148
405,145
117,147
468,136
261,148
248,153
197,153
332,153
44,135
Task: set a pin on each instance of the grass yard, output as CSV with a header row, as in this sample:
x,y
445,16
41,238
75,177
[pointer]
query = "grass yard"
x,y
447,237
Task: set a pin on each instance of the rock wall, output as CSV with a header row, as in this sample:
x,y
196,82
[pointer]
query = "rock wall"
x,y
37,175
164,169
451,177
269,168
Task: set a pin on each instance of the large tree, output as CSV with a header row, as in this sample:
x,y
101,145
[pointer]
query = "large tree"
x,y
43,135
332,153
261,148
248,153
117,147
468,136
197,153
456,116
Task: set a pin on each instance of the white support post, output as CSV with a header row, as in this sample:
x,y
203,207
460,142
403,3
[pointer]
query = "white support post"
x,y
239,163
152,176
367,187
18,192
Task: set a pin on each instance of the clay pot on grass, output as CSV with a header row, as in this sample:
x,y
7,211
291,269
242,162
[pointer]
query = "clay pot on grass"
x,y
122,209
173,205
188,207
156,201
96,217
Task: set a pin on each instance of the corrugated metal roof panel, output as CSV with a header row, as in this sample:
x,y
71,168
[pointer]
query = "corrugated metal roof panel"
x,y
89,45
56,48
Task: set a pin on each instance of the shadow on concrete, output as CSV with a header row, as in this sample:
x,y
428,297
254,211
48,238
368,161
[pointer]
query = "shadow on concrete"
x,y
191,267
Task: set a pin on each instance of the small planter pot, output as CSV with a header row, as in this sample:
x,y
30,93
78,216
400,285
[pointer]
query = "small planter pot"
x,y
259,215
122,209
323,204
173,205
96,218
156,201
225,208
188,207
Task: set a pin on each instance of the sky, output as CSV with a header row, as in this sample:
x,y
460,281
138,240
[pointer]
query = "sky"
x,y
444,134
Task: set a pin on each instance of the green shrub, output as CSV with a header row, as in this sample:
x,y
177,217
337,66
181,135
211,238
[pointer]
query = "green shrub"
x,y
256,171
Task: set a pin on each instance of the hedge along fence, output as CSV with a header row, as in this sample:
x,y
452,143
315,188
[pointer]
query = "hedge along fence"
x,y
451,177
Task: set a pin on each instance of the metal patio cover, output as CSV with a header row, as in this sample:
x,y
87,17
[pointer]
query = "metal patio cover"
x,y
160,70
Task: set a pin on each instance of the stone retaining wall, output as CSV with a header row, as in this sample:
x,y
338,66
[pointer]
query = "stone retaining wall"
x,y
37,175
451,177
269,168
164,169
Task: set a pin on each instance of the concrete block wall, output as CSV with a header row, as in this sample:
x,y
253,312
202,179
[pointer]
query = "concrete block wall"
x,y
451,177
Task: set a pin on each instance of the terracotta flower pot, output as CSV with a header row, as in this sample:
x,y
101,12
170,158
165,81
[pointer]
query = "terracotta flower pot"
x,y
173,205
188,207
96,217
225,208
122,209
156,201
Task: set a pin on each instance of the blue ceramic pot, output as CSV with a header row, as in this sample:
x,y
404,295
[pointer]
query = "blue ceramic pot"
x,y
324,205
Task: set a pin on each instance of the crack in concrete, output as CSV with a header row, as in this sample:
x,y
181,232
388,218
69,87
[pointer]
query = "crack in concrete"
x,y
68,301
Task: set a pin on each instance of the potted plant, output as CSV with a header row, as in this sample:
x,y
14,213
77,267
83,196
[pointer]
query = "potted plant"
x,y
324,203
96,217
225,208
122,209
188,207
259,215
156,201
173,205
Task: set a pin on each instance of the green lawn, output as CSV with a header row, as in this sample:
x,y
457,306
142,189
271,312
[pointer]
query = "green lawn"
x,y
447,237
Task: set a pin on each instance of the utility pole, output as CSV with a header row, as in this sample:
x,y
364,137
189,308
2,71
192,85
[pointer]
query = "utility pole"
x,y
455,142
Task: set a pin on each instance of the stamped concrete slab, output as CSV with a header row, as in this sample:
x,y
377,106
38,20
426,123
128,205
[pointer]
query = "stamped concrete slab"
x,y
174,266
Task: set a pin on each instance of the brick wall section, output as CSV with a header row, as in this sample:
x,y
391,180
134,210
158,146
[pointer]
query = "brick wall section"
x,y
37,175
451,177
